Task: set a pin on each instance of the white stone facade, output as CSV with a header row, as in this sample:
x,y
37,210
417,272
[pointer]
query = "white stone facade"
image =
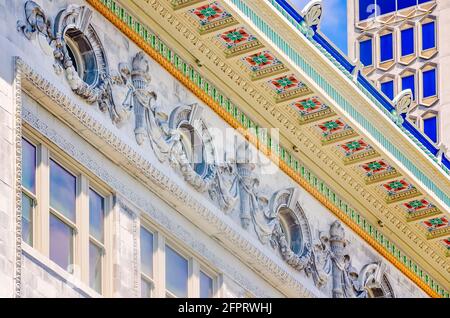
x,y
37,99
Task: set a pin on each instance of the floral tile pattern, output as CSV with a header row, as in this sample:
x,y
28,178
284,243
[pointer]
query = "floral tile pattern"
x,y
357,150
437,227
287,87
399,190
334,130
418,209
263,64
311,109
378,170
237,41
212,17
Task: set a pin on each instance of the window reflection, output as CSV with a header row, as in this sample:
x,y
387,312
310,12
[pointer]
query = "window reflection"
x,y
28,166
206,286
147,252
62,190
27,219
96,215
95,267
176,273
61,243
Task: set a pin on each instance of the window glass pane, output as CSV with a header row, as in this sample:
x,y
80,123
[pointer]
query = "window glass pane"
x,y
96,215
407,41
423,1
386,6
429,83
386,50
61,245
366,9
146,252
146,288
62,190
95,267
402,4
176,273
27,219
428,36
365,52
408,82
388,89
430,128
206,286
28,166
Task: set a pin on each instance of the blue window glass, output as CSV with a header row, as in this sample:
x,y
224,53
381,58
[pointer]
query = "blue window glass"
x,y
366,9
365,52
388,89
386,6
428,36
386,49
429,83
422,1
407,41
206,286
402,4
430,128
408,82
176,273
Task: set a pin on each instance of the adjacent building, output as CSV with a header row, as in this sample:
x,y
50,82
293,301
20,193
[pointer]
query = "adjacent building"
x,y
193,148
402,45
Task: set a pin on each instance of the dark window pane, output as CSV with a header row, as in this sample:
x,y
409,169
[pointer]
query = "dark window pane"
x,y
388,89
146,252
62,190
430,128
61,243
429,83
366,9
28,166
27,219
386,49
423,1
176,273
402,4
96,215
407,41
95,267
428,36
206,286
386,6
408,82
365,52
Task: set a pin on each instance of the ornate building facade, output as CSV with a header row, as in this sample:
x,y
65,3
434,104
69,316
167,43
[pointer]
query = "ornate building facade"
x,y
188,148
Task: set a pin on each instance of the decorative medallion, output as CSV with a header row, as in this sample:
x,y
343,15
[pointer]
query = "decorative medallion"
x,y
287,87
178,4
263,64
399,190
335,130
378,170
418,209
311,109
238,41
356,151
436,227
446,244
212,17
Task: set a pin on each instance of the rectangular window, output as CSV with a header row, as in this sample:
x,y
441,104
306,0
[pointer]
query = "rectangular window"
x,y
409,82
429,83
365,52
147,284
206,286
402,4
428,36
28,190
407,39
430,128
96,244
366,9
386,47
62,215
388,89
386,6
177,274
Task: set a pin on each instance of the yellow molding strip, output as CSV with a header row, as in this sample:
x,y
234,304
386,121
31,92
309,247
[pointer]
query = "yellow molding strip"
x,y
204,97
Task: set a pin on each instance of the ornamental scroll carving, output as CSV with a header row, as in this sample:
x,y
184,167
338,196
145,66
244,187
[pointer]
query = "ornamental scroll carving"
x,y
276,217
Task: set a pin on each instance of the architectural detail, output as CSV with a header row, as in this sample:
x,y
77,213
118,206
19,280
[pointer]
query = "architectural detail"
x,y
312,13
402,102
36,21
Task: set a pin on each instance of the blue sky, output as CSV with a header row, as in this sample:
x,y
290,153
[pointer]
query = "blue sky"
x,y
334,20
